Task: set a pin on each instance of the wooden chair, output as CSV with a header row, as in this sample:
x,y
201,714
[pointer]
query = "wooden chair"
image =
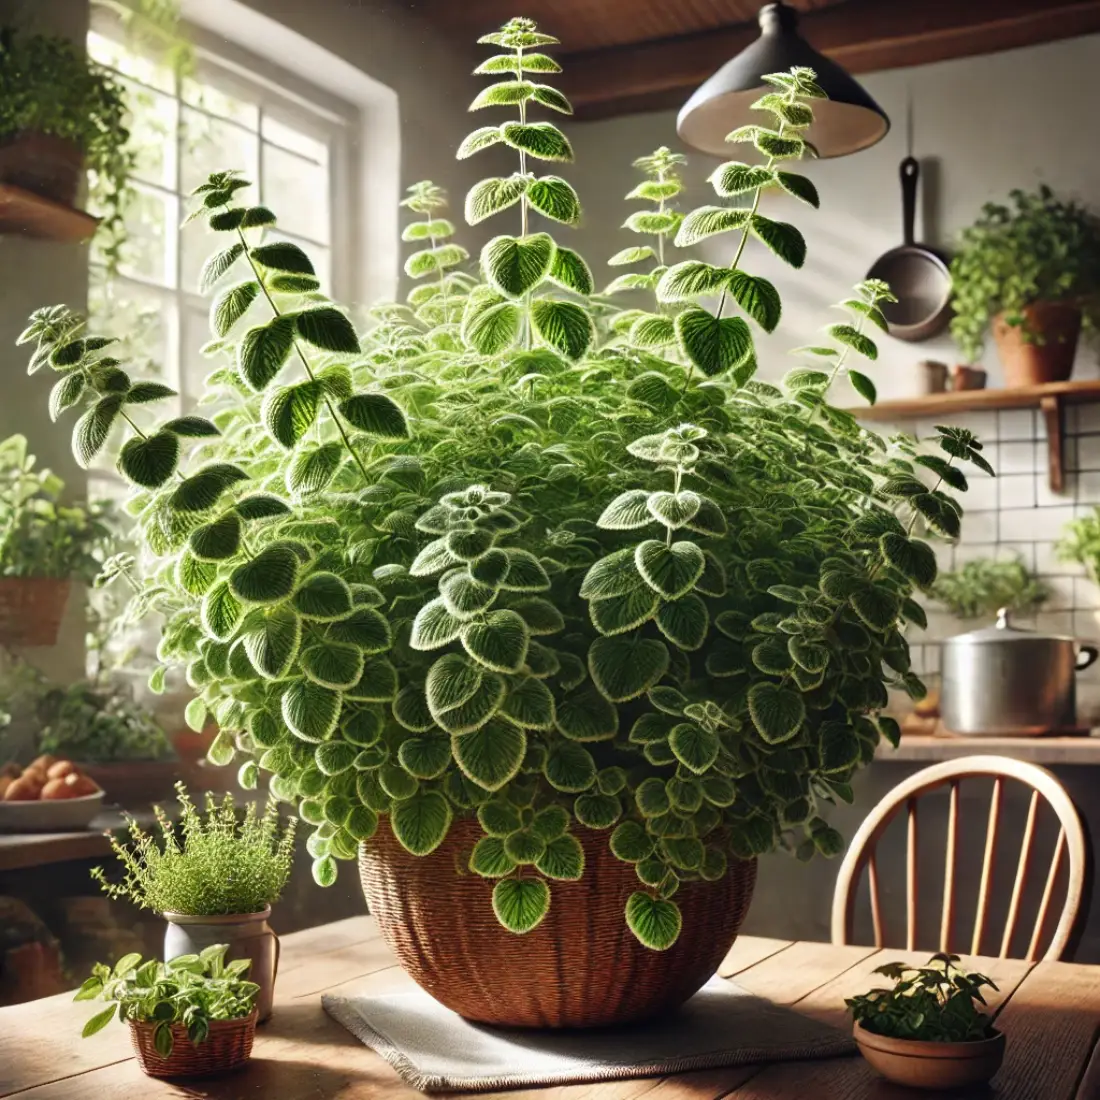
x,y
1070,844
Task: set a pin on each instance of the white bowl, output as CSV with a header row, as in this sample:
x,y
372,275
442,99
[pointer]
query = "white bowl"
x,y
50,815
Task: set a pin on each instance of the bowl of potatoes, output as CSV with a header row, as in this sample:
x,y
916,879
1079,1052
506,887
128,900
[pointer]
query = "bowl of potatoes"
x,y
48,795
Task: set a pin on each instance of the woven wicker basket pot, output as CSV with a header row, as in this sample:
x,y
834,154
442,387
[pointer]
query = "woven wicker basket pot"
x,y
581,967
228,1046
31,609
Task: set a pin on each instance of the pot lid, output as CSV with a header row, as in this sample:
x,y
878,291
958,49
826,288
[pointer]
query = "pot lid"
x,y
1006,631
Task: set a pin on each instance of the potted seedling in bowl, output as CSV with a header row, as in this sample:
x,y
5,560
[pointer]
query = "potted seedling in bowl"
x,y
192,1016
931,1030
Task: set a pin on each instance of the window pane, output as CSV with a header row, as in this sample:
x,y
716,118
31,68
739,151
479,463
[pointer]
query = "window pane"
x,y
215,101
294,139
297,190
115,56
194,367
139,317
210,145
148,251
152,125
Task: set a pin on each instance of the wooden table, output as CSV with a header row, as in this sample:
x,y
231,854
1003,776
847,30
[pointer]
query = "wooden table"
x,y
1050,1012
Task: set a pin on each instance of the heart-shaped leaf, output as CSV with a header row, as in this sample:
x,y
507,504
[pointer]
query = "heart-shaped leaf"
x,y
498,640
670,570
310,710
624,668
674,510
268,577
426,757
529,704
626,512
587,715
569,767
521,903
376,414
491,755
562,858
421,822
516,266
271,641
323,596
618,614
263,350
434,626
150,462
713,344
289,412
777,712
684,622
655,921
695,747
565,326
221,612
332,664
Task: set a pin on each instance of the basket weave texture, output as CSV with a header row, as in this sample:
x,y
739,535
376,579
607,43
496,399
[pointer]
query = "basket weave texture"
x,y
31,609
228,1046
581,967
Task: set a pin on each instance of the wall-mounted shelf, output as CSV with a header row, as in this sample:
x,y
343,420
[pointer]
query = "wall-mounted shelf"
x,y
924,748
30,215
1051,399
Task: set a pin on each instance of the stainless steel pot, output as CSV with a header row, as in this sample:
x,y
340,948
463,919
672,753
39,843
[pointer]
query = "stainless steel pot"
x,y
1003,680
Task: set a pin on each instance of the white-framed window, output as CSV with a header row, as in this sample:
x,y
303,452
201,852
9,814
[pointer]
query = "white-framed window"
x,y
232,110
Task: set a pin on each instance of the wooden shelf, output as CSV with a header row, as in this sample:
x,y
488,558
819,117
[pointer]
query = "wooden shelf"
x,y
924,748
1051,399
30,215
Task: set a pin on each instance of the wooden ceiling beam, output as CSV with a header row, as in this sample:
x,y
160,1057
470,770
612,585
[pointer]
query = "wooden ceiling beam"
x,y
862,35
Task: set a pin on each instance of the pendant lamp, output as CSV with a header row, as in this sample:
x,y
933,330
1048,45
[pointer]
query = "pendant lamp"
x,y
848,121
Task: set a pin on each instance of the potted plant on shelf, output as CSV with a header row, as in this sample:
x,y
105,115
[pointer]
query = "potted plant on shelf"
x,y
62,114
213,878
44,545
192,1016
557,636
929,1030
983,586
1031,273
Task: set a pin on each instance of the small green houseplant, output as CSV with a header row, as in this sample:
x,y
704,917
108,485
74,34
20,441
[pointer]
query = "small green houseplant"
x,y
1080,542
1031,272
60,109
930,1029
984,585
213,877
494,587
194,1014
44,545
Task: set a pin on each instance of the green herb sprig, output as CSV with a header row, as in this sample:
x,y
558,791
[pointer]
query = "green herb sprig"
x,y
938,1003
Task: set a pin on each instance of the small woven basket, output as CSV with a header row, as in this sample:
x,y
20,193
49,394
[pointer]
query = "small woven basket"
x,y
228,1046
31,609
581,967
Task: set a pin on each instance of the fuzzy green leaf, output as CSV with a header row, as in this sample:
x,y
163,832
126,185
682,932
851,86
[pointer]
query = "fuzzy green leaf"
x,y
290,412
263,350
688,280
491,196
489,858
586,715
521,904
332,664
150,462
231,305
283,256
202,490
554,198
777,712
94,427
376,414
708,221
781,238
734,178
714,345
565,326
493,327
758,298
498,640
421,822
323,596
491,755
671,571
529,704
655,922
268,577
542,140
569,271
311,710
313,469
516,266
569,767
624,668
326,327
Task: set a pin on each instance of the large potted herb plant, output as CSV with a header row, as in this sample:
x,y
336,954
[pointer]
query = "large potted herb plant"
x,y
213,878
1031,273
45,544
557,633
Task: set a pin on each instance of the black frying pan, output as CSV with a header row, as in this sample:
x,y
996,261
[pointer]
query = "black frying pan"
x,y
918,275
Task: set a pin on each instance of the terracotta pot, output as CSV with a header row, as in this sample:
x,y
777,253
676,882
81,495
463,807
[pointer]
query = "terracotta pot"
x,y
1047,353
47,165
581,967
31,609
922,1065
248,937
227,1046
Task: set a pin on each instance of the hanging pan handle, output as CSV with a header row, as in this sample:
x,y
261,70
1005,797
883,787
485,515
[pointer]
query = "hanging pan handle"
x,y
910,173
1086,656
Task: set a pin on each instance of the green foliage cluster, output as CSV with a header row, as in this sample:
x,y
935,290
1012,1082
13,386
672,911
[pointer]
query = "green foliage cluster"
x,y
984,585
40,536
484,560
936,1003
192,990
49,86
1039,249
203,866
1080,542
98,724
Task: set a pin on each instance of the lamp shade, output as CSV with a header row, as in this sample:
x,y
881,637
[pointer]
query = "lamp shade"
x,y
849,120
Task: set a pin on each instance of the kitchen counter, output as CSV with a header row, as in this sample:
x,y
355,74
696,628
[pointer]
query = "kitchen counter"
x,y
1084,749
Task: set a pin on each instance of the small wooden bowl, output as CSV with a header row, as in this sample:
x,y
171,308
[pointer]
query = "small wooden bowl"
x,y
922,1065
228,1046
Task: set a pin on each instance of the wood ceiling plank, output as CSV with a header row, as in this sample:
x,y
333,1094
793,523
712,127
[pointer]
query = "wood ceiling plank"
x,y
861,35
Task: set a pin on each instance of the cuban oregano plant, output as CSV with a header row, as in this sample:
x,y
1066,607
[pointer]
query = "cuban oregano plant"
x,y
650,328
475,563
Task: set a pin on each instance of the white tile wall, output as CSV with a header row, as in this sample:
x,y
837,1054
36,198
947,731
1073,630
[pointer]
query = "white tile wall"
x,y
1017,514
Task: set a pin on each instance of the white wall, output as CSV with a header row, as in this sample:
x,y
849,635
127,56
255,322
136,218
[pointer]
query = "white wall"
x,y
981,127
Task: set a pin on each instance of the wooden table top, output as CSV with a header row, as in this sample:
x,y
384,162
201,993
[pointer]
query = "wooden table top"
x,y
1050,1013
